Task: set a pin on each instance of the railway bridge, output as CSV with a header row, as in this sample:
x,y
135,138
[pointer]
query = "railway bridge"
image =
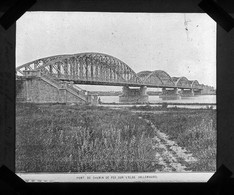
x,y
55,79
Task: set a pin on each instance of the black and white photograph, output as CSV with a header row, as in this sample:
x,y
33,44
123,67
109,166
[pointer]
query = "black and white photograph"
x,y
104,95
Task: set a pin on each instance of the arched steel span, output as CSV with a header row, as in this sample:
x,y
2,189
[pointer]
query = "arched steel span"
x,y
157,77
195,84
87,67
33,65
98,68
181,82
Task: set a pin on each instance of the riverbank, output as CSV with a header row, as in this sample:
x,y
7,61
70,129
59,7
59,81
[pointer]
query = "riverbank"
x,y
81,138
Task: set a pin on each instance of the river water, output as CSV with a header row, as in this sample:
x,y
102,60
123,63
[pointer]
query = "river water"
x,y
203,99
208,99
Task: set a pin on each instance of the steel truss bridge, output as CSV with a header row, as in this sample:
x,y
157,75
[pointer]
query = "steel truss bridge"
x,y
103,69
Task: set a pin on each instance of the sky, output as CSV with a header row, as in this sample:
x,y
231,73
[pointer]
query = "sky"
x,y
180,44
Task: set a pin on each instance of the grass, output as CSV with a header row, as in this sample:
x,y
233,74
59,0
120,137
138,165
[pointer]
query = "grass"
x,y
61,138
195,131
81,139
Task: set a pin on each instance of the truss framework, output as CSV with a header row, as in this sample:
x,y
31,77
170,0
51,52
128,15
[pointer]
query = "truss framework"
x,y
103,69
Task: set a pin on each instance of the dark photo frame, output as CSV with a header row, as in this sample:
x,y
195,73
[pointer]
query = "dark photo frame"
x,y
225,61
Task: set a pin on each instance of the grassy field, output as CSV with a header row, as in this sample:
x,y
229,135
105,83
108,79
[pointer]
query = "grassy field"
x,y
194,130
62,138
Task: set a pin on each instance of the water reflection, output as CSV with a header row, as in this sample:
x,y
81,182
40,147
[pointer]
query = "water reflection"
x,y
155,99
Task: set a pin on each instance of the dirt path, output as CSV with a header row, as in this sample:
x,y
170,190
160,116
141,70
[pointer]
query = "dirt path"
x,y
168,154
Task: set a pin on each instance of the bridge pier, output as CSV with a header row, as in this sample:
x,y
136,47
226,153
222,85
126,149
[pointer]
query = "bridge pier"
x,y
171,94
187,93
134,95
36,88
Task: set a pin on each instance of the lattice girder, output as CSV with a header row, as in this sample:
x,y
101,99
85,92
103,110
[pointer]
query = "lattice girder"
x,y
195,84
98,67
157,77
182,82
85,66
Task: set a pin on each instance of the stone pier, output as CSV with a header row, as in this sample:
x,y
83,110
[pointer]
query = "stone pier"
x,y
35,88
170,94
187,93
134,95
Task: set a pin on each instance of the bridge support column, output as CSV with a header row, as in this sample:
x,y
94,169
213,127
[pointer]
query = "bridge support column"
x,y
170,94
187,93
134,95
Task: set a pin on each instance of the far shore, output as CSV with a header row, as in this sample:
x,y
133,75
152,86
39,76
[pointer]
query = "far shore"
x,y
160,103
118,93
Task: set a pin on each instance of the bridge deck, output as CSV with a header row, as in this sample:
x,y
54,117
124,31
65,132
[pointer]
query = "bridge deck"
x,y
111,83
